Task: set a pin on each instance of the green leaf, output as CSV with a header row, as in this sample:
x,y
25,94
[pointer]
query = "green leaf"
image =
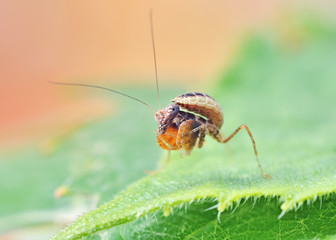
x,y
255,219
283,89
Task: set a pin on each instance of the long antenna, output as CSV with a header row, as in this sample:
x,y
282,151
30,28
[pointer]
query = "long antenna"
x,y
104,88
153,44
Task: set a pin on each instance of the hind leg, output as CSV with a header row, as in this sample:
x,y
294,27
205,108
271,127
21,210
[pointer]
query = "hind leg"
x,y
214,132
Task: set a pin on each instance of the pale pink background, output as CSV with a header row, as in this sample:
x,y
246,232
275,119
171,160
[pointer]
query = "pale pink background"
x,y
99,41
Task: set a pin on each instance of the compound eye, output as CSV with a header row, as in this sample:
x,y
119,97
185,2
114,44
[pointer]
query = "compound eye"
x,y
171,111
173,108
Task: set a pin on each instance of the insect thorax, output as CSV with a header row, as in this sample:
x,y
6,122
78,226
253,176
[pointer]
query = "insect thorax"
x,y
172,115
203,105
184,116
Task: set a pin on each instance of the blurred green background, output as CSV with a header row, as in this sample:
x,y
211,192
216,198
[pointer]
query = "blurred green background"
x,y
66,150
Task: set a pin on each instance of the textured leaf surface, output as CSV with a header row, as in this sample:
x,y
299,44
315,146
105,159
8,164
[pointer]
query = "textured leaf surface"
x,y
283,89
252,220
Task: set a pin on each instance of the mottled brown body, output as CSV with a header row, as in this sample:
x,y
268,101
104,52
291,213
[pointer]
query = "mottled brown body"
x,y
179,129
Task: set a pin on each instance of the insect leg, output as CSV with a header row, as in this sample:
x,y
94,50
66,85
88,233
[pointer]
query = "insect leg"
x,y
196,129
219,138
201,137
168,158
186,137
201,134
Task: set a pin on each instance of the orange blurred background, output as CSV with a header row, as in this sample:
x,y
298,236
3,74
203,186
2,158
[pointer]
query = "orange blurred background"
x,y
109,41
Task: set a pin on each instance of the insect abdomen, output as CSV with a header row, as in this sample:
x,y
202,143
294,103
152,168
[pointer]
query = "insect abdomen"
x,y
202,104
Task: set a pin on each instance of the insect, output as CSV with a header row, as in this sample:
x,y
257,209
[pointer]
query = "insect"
x,y
185,123
178,129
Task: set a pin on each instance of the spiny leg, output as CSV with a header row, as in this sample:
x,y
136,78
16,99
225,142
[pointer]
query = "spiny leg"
x,y
225,140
